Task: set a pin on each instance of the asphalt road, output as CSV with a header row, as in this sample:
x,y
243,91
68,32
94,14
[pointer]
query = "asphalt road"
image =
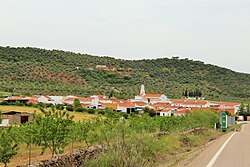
x,y
230,150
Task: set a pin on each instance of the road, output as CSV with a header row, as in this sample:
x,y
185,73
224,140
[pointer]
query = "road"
x,y
230,150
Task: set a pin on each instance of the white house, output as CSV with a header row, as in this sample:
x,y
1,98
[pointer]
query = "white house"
x,y
165,113
50,99
195,104
126,107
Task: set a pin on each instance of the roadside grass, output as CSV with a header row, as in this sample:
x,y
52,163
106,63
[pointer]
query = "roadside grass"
x,y
238,126
176,147
78,116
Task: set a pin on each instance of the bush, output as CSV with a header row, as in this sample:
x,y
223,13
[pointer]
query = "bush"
x,y
4,103
128,148
79,109
91,111
59,106
204,118
18,103
125,115
69,108
102,112
49,105
40,104
30,104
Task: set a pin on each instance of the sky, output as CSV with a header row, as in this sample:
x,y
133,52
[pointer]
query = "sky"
x,y
212,31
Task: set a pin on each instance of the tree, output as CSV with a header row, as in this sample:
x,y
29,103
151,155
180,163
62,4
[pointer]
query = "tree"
x,y
248,108
242,107
53,130
76,103
0,117
80,132
8,145
28,135
149,111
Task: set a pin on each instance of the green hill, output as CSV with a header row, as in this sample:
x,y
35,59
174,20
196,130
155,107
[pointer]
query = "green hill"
x,y
40,71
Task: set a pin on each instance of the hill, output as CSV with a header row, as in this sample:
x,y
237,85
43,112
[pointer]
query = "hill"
x,y
39,71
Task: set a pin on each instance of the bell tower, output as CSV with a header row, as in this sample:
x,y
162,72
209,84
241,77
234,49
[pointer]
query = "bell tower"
x,y
142,92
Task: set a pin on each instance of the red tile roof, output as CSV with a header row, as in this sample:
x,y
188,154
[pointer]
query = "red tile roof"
x,y
127,105
165,110
178,101
140,103
33,101
195,103
85,99
159,104
227,103
181,111
17,98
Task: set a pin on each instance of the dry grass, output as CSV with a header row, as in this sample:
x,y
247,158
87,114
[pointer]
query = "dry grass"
x,y
77,116
22,156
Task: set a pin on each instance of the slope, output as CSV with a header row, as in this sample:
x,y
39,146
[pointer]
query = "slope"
x,y
39,71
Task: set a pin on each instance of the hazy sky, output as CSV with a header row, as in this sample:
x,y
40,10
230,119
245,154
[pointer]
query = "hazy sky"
x,y
213,31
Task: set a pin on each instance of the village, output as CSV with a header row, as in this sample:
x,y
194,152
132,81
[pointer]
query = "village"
x,y
160,104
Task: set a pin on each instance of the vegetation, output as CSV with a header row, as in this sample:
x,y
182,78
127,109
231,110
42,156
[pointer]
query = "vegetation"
x,y
244,110
8,145
125,142
52,130
30,71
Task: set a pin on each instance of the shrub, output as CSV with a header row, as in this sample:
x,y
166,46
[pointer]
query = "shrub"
x,y
30,104
4,103
91,111
79,109
69,108
128,149
125,115
102,112
59,106
204,118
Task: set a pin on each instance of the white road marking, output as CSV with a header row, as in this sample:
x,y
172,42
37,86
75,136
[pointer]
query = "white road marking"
x,y
242,128
219,151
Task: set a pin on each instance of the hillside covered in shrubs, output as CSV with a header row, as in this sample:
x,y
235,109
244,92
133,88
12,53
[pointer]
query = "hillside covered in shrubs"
x,y
38,71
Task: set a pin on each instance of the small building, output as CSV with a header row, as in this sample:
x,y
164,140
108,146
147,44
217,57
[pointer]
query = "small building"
x,y
165,113
15,117
14,99
126,107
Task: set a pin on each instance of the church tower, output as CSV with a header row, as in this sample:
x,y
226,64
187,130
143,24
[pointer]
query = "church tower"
x,y
142,92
